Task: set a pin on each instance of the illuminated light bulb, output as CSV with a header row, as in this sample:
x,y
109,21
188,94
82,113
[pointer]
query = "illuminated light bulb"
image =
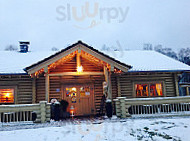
x,y
79,69
7,95
72,111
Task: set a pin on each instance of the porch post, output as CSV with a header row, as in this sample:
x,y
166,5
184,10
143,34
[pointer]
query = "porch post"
x,y
109,86
46,84
78,58
108,80
106,74
187,91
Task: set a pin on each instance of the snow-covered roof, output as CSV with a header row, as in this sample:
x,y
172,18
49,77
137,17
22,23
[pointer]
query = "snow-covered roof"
x,y
14,62
142,60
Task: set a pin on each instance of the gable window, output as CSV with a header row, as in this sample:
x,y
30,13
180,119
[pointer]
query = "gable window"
x,y
149,90
7,95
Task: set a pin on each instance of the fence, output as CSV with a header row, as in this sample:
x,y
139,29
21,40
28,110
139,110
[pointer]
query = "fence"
x,y
152,106
25,112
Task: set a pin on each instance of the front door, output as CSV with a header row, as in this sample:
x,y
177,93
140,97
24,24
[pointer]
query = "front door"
x,y
80,97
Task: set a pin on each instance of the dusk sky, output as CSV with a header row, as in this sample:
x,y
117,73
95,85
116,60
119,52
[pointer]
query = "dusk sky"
x,y
54,23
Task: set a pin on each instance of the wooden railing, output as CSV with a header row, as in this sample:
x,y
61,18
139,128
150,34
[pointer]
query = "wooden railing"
x,y
25,112
146,106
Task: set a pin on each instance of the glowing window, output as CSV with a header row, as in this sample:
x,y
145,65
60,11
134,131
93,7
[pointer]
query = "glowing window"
x,y
6,95
85,91
72,91
156,89
141,90
149,90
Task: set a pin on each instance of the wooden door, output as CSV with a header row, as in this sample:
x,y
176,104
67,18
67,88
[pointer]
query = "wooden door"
x,y
81,97
70,94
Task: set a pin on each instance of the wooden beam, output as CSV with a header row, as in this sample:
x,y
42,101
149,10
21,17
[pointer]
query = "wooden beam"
x,y
76,73
112,68
108,81
106,74
47,87
187,90
78,60
34,90
46,83
105,59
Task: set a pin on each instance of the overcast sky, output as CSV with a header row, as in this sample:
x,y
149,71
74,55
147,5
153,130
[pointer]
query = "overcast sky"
x,y
54,23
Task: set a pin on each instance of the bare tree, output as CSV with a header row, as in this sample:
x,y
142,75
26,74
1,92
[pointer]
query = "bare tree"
x,y
11,48
166,51
184,55
147,46
54,49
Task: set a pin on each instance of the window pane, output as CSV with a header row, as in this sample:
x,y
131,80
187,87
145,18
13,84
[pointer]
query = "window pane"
x,y
156,89
71,91
6,95
141,90
85,91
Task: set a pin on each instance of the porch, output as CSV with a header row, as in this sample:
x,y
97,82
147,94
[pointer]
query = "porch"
x,y
75,74
125,108
154,107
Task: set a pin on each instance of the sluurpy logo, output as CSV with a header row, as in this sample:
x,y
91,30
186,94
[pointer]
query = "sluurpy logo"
x,y
95,15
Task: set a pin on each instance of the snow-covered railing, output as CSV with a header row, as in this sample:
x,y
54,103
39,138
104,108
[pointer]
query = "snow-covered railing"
x,y
160,105
25,112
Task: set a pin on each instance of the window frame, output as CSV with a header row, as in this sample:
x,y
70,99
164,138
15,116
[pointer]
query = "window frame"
x,y
15,94
148,83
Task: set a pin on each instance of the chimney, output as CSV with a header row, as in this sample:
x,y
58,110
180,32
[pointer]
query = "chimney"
x,y
24,46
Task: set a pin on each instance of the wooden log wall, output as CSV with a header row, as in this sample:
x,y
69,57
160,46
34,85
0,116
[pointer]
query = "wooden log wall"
x,y
22,85
114,90
40,89
55,88
114,87
71,66
90,67
56,84
98,91
128,80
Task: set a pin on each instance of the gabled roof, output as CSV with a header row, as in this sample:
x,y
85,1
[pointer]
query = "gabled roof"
x,y
15,62
74,46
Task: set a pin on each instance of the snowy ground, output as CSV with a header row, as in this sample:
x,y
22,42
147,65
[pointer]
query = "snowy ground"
x,y
176,128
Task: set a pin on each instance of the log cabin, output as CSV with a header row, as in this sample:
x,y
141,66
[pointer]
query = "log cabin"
x,y
77,72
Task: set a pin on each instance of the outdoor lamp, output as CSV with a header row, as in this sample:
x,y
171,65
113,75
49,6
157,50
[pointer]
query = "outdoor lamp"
x,y
72,109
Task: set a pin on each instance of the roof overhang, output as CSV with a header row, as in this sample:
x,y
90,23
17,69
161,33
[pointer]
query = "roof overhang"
x,y
73,48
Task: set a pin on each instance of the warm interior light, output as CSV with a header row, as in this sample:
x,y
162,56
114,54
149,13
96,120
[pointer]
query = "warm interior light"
x,y
74,89
79,69
7,94
72,111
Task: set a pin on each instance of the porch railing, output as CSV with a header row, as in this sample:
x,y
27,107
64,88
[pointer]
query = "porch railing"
x,y
152,106
25,112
